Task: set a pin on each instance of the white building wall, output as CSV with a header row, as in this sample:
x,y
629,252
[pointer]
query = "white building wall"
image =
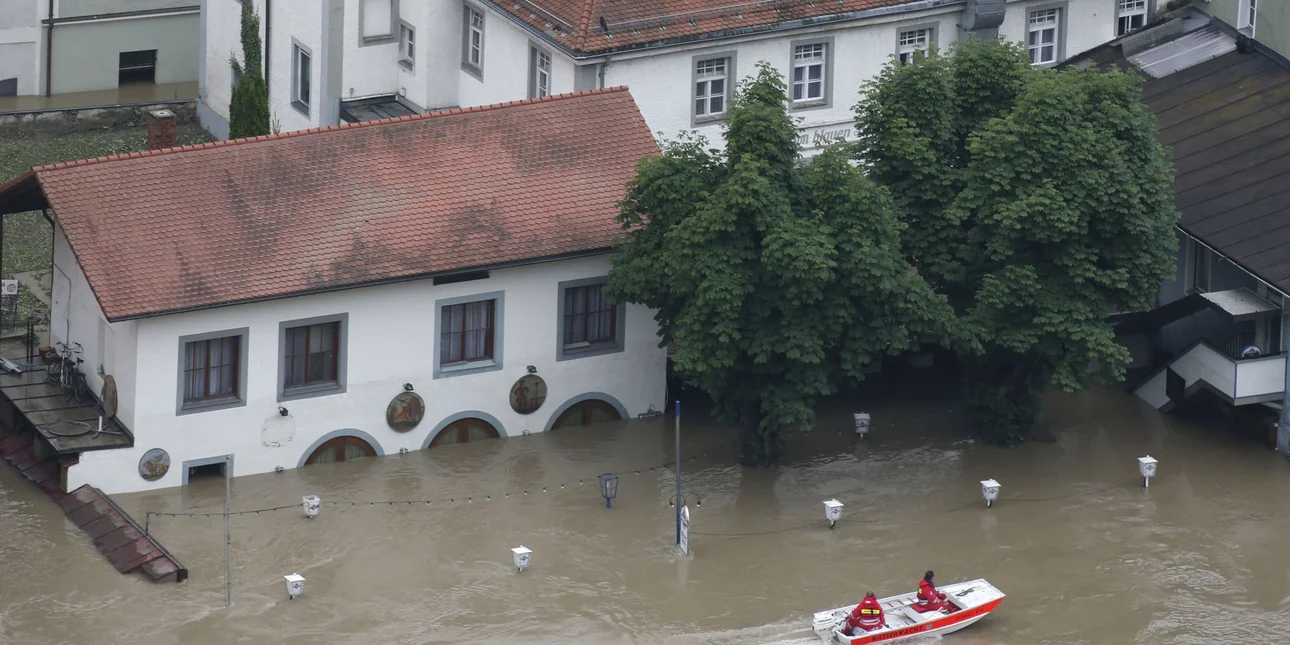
x,y
390,342
75,317
1089,23
370,69
506,64
220,43
20,41
295,21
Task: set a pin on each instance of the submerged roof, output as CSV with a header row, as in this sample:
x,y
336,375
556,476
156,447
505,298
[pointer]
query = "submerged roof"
x,y
577,24
1225,115
343,206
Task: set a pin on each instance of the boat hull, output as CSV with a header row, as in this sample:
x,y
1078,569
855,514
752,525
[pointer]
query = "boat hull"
x,y
968,602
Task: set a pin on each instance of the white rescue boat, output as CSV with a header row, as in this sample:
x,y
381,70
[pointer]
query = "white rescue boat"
x,y
965,603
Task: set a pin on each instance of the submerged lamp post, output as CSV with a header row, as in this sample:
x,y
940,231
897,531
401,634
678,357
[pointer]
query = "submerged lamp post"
x,y
523,557
862,423
609,488
311,504
1147,466
295,585
990,491
833,512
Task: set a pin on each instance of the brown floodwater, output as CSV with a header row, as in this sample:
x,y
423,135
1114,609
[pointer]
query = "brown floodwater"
x,y
1085,554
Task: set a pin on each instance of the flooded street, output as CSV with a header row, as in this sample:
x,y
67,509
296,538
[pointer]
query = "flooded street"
x,y
1085,554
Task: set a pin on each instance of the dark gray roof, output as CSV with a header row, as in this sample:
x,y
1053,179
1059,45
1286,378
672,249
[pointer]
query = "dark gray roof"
x,y
1227,121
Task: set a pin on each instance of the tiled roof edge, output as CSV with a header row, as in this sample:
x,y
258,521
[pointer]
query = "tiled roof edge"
x,y
331,128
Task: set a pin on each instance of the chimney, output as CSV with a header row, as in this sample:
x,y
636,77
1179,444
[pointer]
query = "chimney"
x,y
161,129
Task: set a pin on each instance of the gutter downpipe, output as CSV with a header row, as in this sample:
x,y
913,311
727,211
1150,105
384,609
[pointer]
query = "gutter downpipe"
x,y
1283,421
49,52
268,29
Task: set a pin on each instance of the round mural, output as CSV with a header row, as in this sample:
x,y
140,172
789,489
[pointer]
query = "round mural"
x,y
528,394
154,464
109,396
405,411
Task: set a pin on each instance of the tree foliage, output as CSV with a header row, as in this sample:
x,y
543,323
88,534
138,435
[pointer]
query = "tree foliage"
x,y
249,107
1038,201
774,282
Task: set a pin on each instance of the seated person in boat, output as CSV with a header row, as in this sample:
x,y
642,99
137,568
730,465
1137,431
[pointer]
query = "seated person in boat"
x,y
929,599
867,615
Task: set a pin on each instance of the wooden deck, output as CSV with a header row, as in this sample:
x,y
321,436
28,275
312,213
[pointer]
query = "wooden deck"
x,y
112,531
69,427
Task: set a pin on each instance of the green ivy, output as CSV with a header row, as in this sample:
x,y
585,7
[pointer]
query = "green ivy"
x,y
249,108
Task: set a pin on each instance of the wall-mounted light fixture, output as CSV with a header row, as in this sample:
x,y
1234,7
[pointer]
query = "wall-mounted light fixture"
x,y
282,411
407,387
532,369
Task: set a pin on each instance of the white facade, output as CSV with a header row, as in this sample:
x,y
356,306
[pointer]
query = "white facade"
x,y
389,339
662,78
20,41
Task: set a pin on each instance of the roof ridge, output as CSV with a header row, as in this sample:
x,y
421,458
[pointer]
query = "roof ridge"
x,y
331,128
580,37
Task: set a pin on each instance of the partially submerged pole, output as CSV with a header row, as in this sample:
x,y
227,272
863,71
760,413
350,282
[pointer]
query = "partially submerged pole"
x,y
679,502
228,539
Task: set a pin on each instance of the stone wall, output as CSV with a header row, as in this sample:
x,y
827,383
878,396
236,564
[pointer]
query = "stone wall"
x,y
61,121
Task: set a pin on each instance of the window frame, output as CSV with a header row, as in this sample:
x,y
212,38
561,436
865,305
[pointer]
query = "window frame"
x,y
1120,16
391,36
1059,31
476,70
498,328
1247,17
536,52
297,49
237,400
617,345
930,27
407,45
122,68
826,98
730,58
339,386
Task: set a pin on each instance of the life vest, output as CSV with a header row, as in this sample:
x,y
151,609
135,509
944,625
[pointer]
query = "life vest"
x,y
927,594
868,615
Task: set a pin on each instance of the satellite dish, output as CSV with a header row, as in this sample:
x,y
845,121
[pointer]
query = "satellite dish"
x,y
108,396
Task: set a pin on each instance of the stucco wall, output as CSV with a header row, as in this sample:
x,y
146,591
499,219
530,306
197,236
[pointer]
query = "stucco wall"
x,y
391,340
86,55
295,21
506,64
75,317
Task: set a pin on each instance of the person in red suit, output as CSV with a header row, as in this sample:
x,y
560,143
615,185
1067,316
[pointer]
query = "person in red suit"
x,y
867,615
929,599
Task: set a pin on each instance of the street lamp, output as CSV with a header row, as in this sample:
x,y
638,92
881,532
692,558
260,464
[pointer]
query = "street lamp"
x,y
311,504
1147,466
609,488
522,556
833,512
862,423
990,491
295,585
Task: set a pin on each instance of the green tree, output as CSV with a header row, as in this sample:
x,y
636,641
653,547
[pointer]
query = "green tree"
x,y
774,282
1039,201
249,108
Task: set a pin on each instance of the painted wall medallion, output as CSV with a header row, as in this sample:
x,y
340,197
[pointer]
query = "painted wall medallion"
x,y
154,464
528,394
109,396
405,411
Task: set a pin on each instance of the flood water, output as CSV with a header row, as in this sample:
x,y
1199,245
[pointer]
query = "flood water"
x,y
1085,554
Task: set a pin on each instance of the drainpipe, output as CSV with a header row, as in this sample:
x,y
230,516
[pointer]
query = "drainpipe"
x,y
268,22
1283,423
49,51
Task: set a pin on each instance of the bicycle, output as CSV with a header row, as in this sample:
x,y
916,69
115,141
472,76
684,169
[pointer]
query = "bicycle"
x,y
66,373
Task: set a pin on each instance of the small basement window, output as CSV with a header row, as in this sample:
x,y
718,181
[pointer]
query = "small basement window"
x,y
138,68
208,471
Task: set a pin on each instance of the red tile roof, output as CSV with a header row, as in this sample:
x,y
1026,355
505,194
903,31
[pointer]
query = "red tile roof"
x,y
329,208
633,23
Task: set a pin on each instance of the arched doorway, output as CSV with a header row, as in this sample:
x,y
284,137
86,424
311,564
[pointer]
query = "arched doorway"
x,y
464,431
343,448
585,413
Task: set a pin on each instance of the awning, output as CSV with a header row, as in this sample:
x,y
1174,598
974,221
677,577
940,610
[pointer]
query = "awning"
x,y
1241,304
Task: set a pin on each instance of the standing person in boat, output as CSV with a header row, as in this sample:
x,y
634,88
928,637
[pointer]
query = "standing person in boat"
x,y
867,615
929,599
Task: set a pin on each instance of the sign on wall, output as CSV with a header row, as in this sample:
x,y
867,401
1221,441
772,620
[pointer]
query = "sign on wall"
x,y
822,136
8,288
